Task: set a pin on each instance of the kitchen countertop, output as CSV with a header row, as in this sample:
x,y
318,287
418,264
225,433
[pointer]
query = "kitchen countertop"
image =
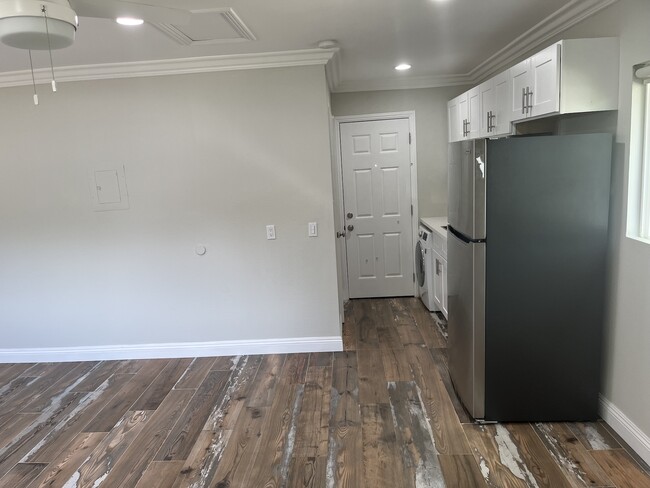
x,y
435,224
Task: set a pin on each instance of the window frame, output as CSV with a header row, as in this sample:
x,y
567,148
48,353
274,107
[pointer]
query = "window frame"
x,y
638,156
644,211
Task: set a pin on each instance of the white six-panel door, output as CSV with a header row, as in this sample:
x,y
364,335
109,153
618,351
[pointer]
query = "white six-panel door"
x,y
376,166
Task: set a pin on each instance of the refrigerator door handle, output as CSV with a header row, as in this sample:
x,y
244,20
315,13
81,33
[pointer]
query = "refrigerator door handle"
x,y
462,237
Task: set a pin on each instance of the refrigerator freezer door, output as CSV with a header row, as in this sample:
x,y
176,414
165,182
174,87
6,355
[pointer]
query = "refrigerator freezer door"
x,y
466,291
467,176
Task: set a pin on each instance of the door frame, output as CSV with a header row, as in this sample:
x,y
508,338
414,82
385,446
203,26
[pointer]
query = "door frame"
x,y
337,161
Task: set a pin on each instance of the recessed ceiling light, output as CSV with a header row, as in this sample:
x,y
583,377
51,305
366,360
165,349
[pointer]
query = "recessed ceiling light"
x,y
129,21
402,67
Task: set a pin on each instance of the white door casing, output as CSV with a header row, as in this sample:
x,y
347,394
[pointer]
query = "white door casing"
x,y
376,170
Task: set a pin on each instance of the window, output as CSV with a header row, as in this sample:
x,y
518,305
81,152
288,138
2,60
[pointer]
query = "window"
x,y
638,224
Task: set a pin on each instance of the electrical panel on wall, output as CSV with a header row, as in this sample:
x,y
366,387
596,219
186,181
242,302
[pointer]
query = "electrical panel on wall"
x,y
108,188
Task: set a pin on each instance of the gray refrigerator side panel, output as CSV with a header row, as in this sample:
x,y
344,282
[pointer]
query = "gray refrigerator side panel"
x,y
547,225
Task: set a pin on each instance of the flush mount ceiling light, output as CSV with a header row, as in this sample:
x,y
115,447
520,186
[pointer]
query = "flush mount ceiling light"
x,y
129,21
37,25
403,67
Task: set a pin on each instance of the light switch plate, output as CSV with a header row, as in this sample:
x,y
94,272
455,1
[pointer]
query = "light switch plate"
x,y
270,232
312,229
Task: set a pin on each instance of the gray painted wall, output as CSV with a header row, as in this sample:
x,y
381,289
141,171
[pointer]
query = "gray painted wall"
x,y
430,105
210,159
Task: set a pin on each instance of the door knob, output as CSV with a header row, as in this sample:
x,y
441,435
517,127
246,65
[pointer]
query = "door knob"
x,y
350,215
350,228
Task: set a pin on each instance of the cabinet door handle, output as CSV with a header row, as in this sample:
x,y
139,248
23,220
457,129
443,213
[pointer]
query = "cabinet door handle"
x,y
530,99
492,117
488,121
437,267
523,100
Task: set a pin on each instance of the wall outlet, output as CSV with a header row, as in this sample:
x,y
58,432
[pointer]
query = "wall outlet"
x,y
312,229
270,232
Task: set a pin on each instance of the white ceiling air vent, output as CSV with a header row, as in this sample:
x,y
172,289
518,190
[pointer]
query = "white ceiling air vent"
x,y
209,26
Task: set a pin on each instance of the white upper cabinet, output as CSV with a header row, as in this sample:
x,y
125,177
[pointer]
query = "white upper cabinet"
x,y
536,84
494,97
463,116
487,101
544,95
520,81
454,120
501,118
571,76
473,114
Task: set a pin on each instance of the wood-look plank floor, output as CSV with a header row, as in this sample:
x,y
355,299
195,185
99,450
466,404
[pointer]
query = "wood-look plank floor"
x,y
381,414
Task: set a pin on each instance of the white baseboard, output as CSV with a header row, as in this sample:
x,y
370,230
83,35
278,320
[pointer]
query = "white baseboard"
x,y
172,350
628,430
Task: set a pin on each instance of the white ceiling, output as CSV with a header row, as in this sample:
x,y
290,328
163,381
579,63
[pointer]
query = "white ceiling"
x,y
440,38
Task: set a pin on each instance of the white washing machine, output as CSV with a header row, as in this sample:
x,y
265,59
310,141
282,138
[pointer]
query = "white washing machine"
x,y
424,267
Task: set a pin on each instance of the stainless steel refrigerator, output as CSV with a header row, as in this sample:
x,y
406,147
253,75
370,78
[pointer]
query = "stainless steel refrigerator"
x,y
528,225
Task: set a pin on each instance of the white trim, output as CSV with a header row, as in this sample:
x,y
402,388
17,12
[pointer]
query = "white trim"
x,y
172,350
644,224
333,71
338,170
628,430
403,83
205,64
339,220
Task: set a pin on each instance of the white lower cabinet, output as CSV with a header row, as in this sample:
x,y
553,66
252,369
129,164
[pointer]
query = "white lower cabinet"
x,y
439,258
440,282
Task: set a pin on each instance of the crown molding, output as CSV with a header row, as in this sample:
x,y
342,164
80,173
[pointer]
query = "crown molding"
x,y
406,83
569,15
205,64
333,70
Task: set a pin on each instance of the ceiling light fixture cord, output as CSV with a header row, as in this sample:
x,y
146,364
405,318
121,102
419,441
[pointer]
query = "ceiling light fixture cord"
x,y
31,65
49,46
